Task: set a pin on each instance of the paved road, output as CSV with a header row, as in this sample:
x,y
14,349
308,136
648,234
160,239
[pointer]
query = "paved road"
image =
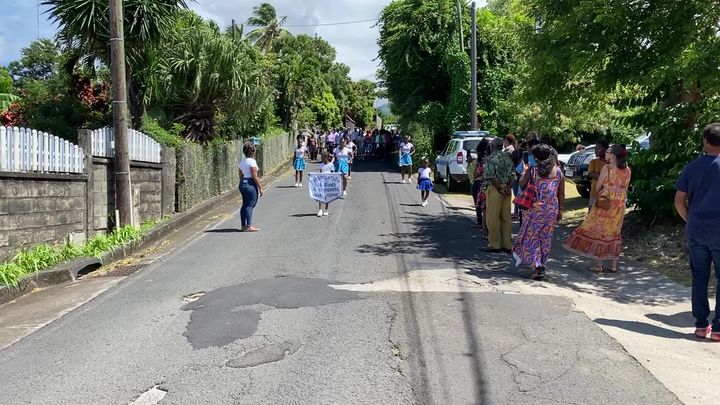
x,y
324,311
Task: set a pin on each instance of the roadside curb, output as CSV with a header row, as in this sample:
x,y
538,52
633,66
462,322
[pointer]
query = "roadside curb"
x,y
70,271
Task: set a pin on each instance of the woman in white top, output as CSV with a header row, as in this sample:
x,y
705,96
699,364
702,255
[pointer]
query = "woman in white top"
x,y
343,157
250,187
406,151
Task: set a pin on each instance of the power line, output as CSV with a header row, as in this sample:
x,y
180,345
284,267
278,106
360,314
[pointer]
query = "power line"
x,y
326,24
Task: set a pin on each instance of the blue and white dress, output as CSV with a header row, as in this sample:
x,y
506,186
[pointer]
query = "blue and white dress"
x,y
424,182
299,163
342,157
405,157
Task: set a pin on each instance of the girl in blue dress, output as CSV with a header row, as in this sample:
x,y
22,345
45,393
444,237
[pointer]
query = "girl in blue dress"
x,y
343,158
406,151
425,184
299,162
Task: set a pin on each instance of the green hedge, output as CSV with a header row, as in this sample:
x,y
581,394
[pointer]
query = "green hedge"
x,y
205,171
275,151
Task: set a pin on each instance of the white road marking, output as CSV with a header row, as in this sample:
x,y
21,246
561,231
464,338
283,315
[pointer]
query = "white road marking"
x,y
150,397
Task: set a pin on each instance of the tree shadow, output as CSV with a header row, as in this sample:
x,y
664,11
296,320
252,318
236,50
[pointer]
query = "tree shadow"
x,y
448,242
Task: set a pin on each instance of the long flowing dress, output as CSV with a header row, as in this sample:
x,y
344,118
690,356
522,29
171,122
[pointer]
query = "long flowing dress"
x,y
534,241
599,236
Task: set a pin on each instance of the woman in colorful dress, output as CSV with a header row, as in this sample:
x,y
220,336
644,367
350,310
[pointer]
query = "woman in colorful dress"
x,y
599,237
534,241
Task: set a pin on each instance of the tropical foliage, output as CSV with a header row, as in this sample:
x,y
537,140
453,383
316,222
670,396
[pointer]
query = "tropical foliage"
x,y
186,76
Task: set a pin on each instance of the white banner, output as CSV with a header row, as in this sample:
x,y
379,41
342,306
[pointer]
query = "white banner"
x,y
325,187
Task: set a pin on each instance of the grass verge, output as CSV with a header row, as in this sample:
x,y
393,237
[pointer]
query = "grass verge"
x,y
42,257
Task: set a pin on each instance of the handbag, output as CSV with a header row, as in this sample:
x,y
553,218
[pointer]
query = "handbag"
x,y
603,202
526,199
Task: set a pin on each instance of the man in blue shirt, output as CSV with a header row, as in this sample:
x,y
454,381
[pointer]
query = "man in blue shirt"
x,y
698,203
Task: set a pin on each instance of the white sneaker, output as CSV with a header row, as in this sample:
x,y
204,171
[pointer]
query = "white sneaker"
x,y
344,193
403,182
320,213
300,184
325,213
296,185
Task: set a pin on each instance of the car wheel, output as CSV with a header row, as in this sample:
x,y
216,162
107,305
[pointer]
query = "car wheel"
x,y
584,191
451,184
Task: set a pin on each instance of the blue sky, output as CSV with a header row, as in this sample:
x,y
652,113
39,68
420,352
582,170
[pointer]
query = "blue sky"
x,y
356,44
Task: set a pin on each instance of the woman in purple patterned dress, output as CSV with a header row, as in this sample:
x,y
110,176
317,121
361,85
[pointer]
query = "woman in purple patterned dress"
x,y
534,241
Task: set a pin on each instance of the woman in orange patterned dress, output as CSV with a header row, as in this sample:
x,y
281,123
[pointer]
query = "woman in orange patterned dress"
x,y
599,237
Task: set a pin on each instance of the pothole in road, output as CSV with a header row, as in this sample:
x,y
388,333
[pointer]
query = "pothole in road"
x,y
266,354
193,297
221,316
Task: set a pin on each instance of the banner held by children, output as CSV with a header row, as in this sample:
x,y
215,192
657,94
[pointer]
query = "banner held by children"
x,y
325,187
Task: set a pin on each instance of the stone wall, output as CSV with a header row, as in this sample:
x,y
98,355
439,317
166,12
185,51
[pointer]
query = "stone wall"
x,y
147,188
40,208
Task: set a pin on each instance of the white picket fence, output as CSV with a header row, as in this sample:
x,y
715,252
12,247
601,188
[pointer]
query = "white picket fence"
x,y
141,147
29,150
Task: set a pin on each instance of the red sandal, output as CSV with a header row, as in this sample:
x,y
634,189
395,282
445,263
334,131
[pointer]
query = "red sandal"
x,y
702,333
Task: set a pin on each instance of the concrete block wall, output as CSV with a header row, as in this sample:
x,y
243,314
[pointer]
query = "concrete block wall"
x,y
40,208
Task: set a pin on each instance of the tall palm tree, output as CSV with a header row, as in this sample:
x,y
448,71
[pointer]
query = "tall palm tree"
x,y
269,27
85,34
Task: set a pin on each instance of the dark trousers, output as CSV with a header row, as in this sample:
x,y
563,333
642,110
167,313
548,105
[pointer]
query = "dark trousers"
x,y
702,256
249,192
475,193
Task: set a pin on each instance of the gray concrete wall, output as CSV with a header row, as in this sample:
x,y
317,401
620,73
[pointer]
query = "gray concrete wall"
x,y
40,208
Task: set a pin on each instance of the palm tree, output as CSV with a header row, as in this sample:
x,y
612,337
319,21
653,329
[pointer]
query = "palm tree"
x,y
269,27
84,32
204,75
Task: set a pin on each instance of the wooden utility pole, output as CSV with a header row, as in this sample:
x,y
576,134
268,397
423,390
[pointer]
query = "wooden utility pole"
x,y
473,70
123,200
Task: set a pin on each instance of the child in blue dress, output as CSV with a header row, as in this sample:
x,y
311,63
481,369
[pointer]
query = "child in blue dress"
x,y
425,184
299,162
406,151
343,157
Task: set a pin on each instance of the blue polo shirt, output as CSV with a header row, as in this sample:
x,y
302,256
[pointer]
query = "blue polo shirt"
x,y
701,181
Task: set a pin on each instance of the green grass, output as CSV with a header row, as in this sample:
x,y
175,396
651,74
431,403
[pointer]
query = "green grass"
x,y
41,257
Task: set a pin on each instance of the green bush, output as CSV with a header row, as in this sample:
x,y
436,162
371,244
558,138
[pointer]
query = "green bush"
x,y
422,138
151,127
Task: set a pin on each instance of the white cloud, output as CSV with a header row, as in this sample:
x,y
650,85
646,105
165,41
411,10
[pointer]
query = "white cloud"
x,y
356,44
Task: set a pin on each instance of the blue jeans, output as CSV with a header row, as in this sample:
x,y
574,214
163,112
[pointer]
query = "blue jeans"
x,y
249,192
702,256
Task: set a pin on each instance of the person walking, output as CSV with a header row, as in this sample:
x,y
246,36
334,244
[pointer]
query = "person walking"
x,y
250,188
425,184
301,153
599,237
696,200
476,174
343,156
500,176
534,241
595,168
407,149
325,167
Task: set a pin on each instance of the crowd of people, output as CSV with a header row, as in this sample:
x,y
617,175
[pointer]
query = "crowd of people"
x,y
521,179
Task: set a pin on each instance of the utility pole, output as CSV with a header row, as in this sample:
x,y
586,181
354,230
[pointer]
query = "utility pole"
x,y
473,70
123,201
234,30
460,26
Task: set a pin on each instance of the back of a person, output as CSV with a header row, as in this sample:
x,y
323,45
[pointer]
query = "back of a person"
x,y
618,180
704,189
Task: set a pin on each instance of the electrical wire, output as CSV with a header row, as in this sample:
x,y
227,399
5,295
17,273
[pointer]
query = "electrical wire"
x,y
326,24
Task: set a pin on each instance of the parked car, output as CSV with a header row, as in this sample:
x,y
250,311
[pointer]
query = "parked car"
x,y
576,168
451,162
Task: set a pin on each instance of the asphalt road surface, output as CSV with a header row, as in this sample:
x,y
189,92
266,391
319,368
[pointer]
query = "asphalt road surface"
x,y
325,311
